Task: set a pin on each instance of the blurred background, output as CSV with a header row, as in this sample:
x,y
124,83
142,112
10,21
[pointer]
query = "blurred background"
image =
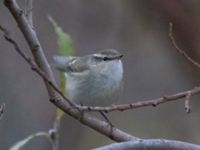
x,y
153,68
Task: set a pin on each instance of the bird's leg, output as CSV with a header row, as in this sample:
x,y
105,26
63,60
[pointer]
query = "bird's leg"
x,y
103,114
107,120
82,113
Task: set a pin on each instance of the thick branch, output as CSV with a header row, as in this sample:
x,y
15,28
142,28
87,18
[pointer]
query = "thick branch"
x,y
32,41
152,144
41,61
28,11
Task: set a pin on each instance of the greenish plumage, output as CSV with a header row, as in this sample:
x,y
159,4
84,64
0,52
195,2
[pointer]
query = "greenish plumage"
x,y
94,80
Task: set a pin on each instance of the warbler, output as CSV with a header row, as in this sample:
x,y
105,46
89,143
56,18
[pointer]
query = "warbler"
x,y
93,80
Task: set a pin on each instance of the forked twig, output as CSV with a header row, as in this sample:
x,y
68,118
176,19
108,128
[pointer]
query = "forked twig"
x,y
192,61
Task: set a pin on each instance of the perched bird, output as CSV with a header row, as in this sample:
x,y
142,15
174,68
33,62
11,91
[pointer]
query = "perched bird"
x,y
93,80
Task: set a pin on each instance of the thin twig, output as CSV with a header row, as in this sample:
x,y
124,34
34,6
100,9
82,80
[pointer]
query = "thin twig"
x,y
182,52
142,103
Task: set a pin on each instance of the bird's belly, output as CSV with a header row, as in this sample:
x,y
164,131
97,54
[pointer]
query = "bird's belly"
x,y
94,91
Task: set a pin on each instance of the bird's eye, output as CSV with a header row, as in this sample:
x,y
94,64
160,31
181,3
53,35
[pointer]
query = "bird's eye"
x,y
105,58
102,58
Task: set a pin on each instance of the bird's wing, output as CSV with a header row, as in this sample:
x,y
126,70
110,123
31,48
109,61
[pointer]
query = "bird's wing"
x,y
71,64
62,62
79,65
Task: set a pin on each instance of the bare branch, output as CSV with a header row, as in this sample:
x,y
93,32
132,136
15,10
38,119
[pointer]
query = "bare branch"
x,y
142,103
182,52
28,11
151,144
33,42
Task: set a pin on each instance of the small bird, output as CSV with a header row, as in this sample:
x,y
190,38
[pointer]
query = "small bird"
x,y
93,80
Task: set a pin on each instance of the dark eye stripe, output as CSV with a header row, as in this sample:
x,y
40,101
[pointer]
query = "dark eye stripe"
x,y
102,58
106,58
